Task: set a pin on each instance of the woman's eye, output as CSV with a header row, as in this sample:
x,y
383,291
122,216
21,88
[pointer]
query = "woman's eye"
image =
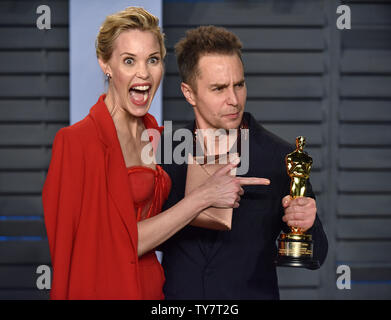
x,y
153,60
128,61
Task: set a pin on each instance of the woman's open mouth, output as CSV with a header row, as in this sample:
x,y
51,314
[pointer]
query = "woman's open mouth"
x,y
139,94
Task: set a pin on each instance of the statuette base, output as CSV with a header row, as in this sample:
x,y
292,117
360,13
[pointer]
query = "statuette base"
x,y
295,250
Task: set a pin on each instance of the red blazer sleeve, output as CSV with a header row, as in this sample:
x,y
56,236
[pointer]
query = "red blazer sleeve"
x,y
62,196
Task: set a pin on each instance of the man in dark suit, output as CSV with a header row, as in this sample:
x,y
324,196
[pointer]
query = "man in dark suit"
x,y
201,263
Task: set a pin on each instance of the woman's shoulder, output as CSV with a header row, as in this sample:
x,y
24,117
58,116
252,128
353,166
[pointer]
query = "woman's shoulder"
x,y
78,143
80,132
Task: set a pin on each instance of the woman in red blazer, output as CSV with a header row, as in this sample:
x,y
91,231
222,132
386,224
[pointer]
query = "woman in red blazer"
x,y
101,198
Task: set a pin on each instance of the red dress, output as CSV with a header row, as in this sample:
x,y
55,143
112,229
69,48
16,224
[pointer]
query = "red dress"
x,y
90,209
149,189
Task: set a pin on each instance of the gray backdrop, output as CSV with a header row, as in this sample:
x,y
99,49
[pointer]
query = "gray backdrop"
x,y
304,76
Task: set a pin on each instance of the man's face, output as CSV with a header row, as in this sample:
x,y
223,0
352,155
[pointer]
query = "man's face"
x,y
219,93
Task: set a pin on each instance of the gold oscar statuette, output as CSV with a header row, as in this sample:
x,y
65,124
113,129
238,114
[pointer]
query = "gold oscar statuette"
x,y
295,248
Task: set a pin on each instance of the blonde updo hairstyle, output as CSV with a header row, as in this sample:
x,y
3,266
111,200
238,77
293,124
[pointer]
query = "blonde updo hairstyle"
x,y
130,18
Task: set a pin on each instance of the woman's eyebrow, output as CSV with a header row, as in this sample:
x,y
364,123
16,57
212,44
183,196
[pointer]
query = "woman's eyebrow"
x,y
127,53
132,54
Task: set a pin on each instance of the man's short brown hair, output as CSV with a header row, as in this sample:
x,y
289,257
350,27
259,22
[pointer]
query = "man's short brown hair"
x,y
201,41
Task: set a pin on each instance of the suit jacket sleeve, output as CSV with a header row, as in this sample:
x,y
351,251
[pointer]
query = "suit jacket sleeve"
x,y
318,235
62,196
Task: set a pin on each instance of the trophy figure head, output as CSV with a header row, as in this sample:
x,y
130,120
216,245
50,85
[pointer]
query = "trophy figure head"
x,y
300,142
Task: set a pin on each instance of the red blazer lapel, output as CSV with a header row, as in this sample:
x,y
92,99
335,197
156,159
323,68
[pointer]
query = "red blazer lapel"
x,y
118,187
117,182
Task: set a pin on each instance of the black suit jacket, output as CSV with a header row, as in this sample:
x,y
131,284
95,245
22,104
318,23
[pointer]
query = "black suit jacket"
x,y
237,264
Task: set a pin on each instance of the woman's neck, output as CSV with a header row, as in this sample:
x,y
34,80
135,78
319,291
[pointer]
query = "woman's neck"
x,y
125,123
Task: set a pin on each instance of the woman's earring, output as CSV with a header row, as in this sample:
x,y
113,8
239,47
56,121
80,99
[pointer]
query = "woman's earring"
x,y
108,76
